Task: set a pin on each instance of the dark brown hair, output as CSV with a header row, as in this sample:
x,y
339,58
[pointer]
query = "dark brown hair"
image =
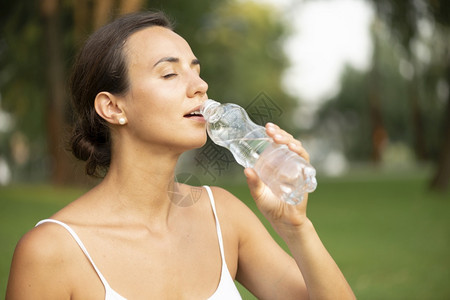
x,y
101,66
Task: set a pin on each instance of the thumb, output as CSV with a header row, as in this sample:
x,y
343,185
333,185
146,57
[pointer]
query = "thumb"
x,y
255,184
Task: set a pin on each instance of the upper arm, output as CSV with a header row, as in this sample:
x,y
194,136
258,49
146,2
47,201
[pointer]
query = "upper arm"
x,y
264,268
38,267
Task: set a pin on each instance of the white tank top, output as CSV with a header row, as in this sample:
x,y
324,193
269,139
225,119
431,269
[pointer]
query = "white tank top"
x,y
226,290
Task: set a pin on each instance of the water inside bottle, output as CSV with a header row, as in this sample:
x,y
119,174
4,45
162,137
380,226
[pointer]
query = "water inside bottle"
x,y
287,174
246,151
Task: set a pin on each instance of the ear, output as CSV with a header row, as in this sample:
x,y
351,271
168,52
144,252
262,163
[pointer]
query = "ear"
x,y
107,106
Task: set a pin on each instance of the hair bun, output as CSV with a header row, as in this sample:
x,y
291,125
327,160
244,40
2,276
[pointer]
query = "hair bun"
x,y
93,149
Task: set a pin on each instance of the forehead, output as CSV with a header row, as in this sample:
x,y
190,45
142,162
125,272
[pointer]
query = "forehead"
x,y
151,44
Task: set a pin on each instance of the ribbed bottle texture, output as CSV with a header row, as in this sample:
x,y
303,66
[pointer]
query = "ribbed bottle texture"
x,y
286,173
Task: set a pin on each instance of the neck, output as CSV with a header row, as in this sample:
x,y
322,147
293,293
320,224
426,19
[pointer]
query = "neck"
x,y
139,187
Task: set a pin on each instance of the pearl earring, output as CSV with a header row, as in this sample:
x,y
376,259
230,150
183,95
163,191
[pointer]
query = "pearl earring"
x,y
122,121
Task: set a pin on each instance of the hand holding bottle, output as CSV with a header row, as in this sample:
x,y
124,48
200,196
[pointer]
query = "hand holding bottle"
x,y
288,175
275,210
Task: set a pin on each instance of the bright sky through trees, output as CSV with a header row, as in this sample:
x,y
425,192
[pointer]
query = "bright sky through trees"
x,y
327,34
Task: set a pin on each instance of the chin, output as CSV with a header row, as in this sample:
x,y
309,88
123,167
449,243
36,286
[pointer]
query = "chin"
x,y
197,142
201,143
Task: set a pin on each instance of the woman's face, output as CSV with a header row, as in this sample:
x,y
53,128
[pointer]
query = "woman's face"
x,y
165,89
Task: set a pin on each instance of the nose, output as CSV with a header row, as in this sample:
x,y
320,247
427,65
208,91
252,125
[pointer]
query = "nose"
x,y
197,87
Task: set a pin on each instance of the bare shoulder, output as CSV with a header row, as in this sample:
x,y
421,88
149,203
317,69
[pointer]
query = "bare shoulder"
x,y
45,241
40,260
229,203
234,211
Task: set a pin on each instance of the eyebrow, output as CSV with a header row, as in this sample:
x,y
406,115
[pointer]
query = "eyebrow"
x,y
195,61
171,59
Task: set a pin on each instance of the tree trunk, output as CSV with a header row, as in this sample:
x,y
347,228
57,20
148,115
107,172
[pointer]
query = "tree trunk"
x,y
129,6
56,96
102,12
81,18
416,114
379,133
441,177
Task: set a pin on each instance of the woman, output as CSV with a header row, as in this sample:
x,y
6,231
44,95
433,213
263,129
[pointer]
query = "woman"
x,y
135,84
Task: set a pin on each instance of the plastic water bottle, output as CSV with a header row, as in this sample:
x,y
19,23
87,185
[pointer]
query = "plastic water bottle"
x,y
286,173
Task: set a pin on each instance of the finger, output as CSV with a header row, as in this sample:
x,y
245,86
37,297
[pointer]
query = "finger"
x,y
270,124
282,137
298,148
278,134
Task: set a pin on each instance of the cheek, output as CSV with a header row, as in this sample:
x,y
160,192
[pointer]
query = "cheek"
x,y
150,102
153,117
154,106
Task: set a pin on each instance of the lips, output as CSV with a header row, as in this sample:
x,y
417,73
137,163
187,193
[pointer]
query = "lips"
x,y
194,113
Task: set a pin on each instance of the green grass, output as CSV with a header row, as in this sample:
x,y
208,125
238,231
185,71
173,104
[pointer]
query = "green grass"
x,y
389,235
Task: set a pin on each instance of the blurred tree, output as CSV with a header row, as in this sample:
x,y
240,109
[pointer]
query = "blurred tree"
x,y
56,93
345,118
243,45
21,80
371,107
378,132
89,15
440,9
404,19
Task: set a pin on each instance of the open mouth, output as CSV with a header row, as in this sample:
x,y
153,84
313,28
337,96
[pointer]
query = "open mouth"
x,y
195,113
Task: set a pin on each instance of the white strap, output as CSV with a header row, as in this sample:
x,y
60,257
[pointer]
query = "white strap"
x,y
80,243
219,232
226,288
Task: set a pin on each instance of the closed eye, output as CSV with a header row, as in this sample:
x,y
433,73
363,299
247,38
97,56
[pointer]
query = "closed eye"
x,y
169,75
